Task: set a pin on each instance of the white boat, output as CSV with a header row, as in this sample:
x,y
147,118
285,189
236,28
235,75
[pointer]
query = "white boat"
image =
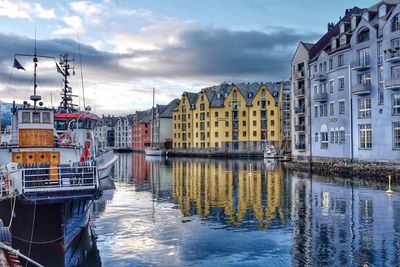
x,y
270,152
153,150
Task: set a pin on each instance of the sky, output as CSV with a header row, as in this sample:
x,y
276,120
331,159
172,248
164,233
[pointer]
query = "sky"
x,y
129,47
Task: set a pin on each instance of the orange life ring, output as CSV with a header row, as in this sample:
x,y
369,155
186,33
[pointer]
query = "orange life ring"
x,y
65,139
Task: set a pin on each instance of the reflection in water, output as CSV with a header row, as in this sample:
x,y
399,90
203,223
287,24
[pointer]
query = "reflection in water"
x,y
213,213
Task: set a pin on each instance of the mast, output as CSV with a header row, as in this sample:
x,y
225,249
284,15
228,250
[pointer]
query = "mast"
x,y
35,97
152,121
66,95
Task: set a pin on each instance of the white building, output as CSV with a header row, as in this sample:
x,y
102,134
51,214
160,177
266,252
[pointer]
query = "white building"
x,y
123,132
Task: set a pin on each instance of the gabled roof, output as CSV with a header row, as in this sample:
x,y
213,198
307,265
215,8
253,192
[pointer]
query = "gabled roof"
x,y
308,46
192,97
334,31
167,111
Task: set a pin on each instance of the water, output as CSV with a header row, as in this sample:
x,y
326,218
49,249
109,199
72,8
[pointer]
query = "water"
x,y
202,212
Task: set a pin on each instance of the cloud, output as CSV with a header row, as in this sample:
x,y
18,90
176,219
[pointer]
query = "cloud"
x,y
91,12
24,10
185,58
73,24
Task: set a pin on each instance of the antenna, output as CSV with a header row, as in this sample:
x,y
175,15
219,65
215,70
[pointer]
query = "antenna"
x,y
35,97
80,63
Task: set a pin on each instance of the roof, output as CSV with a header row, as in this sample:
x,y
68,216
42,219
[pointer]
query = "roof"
x,y
165,111
334,31
192,97
308,46
76,115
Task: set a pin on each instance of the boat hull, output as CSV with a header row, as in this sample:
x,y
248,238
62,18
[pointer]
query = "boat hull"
x,y
61,232
154,152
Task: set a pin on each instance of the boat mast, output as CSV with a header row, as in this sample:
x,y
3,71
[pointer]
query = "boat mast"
x,y
35,97
66,96
152,121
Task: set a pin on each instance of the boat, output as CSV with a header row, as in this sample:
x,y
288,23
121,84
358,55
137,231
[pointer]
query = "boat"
x,y
74,126
270,152
153,150
50,173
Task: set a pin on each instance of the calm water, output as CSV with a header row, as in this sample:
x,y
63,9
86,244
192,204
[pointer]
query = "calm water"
x,y
201,212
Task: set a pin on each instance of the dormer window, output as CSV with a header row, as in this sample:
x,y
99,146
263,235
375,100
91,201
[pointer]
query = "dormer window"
x,y
342,28
382,10
366,16
333,44
343,40
250,94
395,23
363,35
353,23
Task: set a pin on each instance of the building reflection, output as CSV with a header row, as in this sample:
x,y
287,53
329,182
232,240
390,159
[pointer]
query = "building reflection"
x,y
123,167
225,191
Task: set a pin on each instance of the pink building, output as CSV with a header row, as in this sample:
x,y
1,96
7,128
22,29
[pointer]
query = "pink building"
x,y
141,130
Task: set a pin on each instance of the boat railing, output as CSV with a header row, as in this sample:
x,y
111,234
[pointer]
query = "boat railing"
x,y
61,178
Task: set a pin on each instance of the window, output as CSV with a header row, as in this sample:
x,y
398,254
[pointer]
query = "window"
x,y
202,106
324,140
272,133
342,137
226,123
254,123
244,113
395,23
382,10
36,117
396,135
381,94
272,113
315,89
365,136
315,68
332,132
341,107
46,117
340,60
216,114
226,114
26,117
244,133
316,111
395,72
364,108
363,57
380,53
331,86
341,84
396,104
332,108
364,79
254,113
183,109
234,96
331,63
226,134
363,35
216,123
336,136
244,123
316,137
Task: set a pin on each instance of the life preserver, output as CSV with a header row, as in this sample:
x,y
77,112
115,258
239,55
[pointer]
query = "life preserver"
x,y
65,139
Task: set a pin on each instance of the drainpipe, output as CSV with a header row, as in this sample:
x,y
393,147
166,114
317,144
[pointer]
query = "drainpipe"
x,y
309,113
351,116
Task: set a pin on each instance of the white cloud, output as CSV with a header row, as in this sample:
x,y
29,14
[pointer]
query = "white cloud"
x,y
24,10
73,24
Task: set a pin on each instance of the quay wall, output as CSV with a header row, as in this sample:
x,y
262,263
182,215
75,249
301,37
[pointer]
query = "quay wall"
x,y
366,170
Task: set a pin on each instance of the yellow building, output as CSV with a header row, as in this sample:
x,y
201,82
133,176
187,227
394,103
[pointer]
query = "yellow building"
x,y
233,117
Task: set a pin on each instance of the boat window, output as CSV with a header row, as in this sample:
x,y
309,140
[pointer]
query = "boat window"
x,y
46,117
26,117
61,125
36,117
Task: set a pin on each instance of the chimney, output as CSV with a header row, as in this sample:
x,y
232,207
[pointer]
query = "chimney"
x,y
346,12
330,26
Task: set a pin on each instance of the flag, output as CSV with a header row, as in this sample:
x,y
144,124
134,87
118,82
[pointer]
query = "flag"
x,y
17,65
59,70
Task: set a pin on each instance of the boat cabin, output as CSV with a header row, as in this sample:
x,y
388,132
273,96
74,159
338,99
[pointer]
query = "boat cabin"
x,y
78,120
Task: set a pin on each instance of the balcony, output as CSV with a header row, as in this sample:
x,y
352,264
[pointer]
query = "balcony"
x,y
361,64
320,76
321,97
392,83
301,109
361,89
392,55
300,128
299,92
300,146
299,75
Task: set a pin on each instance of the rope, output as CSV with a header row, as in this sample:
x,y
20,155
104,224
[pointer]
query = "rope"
x,y
32,230
54,240
12,209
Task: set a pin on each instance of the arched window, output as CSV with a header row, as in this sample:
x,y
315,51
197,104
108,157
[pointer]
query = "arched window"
x,y
320,66
234,96
183,109
395,23
363,35
325,66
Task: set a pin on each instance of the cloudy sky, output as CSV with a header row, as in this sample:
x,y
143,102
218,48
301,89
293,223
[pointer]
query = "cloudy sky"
x,y
129,47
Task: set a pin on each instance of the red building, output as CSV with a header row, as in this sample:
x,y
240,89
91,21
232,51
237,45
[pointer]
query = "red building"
x,y
141,129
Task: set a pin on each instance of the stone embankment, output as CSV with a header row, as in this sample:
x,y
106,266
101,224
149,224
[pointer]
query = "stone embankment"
x,y
377,171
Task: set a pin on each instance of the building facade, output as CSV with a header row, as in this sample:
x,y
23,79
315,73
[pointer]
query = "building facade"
x,y
300,105
141,129
231,117
354,80
162,136
123,132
